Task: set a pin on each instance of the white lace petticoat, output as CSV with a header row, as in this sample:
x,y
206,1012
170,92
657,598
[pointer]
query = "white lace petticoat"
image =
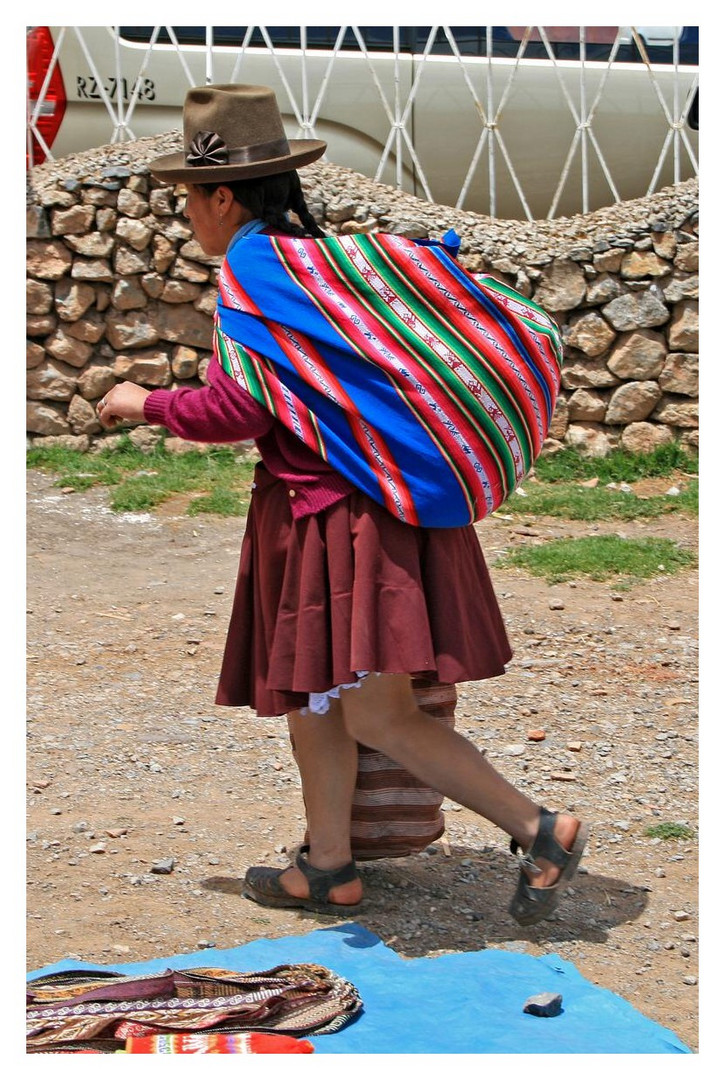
x,y
319,704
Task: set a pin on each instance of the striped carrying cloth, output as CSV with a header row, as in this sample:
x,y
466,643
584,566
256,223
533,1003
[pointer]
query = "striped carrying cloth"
x,y
393,813
430,389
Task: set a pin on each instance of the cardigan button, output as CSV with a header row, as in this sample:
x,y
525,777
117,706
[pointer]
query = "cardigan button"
x,y
291,493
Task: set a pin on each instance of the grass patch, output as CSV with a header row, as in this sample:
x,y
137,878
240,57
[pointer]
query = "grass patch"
x,y
220,501
140,481
619,465
669,830
220,480
556,490
569,500
599,558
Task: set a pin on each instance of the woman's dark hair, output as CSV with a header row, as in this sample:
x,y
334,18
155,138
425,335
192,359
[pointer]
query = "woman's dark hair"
x,y
270,197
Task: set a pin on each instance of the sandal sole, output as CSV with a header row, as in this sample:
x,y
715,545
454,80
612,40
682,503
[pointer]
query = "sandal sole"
x,y
303,903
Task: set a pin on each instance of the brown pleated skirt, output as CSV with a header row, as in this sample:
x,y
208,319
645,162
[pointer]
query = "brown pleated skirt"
x,y
353,589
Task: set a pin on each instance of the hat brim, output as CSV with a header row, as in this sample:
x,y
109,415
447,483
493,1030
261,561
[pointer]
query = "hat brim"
x,y
172,168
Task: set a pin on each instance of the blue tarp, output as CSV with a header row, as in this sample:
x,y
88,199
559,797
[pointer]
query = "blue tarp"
x,y
461,1003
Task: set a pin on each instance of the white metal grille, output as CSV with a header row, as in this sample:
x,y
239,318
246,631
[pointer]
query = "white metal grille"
x,y
492,158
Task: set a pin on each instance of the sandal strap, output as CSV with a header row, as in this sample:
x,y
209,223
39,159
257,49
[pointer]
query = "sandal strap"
x,y
322,881
545,846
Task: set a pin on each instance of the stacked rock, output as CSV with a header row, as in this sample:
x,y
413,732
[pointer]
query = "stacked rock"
x,y
118,288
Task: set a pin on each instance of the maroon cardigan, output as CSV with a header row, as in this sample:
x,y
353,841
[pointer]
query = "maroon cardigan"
x,y
224,412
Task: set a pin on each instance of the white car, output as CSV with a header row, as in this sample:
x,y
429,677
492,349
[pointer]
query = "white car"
x,y
520,122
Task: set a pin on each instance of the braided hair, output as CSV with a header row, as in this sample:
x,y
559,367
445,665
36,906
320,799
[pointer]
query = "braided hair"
x,y
270,197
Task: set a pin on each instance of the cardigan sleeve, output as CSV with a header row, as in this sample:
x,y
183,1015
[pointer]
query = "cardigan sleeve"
x,y
220,412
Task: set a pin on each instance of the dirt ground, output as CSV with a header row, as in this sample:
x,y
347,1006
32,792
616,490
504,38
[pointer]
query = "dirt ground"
x,y
130,763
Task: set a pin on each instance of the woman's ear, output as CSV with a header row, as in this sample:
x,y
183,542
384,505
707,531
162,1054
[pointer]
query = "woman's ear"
x,y
226,203
224,198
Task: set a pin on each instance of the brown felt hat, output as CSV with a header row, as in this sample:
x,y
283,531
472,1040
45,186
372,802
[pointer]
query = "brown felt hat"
x,y
233,132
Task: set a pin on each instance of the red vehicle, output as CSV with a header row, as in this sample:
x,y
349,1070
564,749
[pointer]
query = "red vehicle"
x,y
46,93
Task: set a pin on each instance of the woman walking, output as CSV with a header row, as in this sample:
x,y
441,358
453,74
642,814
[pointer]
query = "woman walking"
x,y
339,600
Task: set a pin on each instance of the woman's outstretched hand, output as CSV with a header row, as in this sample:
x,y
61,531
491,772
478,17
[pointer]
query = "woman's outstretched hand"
x,y
124,401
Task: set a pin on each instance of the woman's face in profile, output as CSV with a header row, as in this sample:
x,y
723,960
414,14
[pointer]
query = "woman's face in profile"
x,y
203,216
215,216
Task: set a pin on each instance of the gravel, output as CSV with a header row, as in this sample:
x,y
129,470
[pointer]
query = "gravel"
x,y
130,766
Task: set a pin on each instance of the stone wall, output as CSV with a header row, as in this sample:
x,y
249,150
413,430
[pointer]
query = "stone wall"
x,y
117,288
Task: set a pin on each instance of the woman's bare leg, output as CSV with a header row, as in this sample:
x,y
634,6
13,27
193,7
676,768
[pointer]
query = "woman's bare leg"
x,y
327,759
382,713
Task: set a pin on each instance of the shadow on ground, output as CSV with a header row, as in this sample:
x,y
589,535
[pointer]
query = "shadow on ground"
x,y
438,903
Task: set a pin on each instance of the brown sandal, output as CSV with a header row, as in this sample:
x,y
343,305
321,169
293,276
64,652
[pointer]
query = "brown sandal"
x,y
262,884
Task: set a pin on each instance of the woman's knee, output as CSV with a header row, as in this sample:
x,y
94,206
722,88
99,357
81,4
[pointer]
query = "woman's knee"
x,y
377,708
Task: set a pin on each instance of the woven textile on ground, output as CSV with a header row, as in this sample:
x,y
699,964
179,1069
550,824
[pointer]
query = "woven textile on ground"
x,y
97,1009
